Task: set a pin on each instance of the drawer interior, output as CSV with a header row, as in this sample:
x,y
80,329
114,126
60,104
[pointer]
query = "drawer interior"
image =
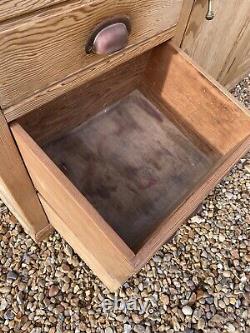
x,y
137,141
131,163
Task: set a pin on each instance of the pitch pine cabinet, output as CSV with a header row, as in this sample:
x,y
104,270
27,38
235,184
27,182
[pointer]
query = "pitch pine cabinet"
x,y
109,133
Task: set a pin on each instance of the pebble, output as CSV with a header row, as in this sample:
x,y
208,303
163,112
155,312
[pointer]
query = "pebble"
x,y
217,319
221,238
201,324
68,250
221,304
3,304
127,328
8,315
139,329
200,293
192,299
164,299
5,290
53,291
187,310
66,287
210,300
12,275
136,318
229,195
65,268
108,330
232,300
175,323
20,298
230,328
36,330
226,274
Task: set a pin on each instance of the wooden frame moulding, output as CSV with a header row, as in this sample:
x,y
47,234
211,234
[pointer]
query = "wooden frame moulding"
x,y
17,190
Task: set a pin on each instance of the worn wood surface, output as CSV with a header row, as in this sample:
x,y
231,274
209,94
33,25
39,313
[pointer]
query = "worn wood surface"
x,y
131,164
75,239
16,189
198,104
45,48
70,110
221,46
14,8
182,24
192,99
97,237
171,224
166,109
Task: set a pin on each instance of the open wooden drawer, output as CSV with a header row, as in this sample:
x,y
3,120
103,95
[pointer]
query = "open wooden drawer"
x,y
121,162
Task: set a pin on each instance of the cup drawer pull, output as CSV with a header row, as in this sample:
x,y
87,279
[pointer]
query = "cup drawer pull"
x,y
109,36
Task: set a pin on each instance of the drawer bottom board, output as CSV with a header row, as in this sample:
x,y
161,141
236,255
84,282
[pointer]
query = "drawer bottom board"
x,y
132,164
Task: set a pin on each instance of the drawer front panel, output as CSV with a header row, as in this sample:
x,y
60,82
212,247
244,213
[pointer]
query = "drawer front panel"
x,y
48,47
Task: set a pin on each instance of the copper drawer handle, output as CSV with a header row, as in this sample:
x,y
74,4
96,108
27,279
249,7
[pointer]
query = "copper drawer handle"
x,y
109,36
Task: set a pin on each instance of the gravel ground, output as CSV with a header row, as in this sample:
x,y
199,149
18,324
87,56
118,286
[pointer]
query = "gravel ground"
x,y
197,283
242,91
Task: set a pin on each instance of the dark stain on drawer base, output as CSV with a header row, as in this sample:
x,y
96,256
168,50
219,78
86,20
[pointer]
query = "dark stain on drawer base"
x,y
132,164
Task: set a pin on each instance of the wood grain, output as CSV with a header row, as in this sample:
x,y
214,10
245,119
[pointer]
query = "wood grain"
x,y
198,103
14,8
132,164
82,77
76,241
16,189
171,224
237,64
221,46
48,47
70,110
96,236
169,111
182,24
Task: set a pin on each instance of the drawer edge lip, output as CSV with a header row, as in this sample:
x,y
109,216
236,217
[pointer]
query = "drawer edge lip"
x,y
224,165
73,81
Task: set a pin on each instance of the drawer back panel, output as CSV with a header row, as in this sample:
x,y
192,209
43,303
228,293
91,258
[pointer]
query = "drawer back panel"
x,y
47,47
